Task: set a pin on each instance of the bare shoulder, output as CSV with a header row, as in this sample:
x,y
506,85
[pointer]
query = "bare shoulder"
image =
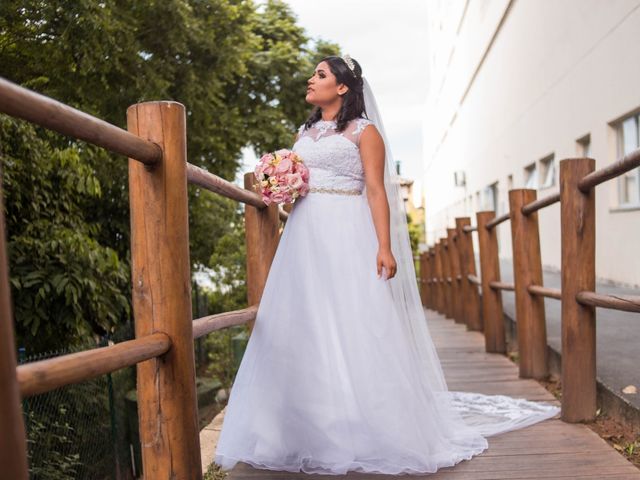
x,y
370,136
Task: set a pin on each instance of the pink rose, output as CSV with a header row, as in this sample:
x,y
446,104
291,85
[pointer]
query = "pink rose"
x,y
294,180
282,181
284,165
270,169
267,158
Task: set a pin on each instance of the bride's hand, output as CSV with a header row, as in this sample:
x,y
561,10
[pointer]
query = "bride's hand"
x,y
385,259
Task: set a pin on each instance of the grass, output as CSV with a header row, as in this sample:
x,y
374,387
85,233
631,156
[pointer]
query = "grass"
x,y
215,473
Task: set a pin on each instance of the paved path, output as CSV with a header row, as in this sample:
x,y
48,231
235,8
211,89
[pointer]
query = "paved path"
x,y
549,449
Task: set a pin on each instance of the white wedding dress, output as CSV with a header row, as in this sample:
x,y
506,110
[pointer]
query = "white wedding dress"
x,y
329,382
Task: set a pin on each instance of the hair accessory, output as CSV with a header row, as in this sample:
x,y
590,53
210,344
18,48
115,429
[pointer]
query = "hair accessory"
x,y
349,62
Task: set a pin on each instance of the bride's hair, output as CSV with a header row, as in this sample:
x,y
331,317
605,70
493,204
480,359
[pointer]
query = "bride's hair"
x,y
352,101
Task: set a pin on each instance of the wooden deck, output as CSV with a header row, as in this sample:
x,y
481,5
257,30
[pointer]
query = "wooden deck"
x,y
548,450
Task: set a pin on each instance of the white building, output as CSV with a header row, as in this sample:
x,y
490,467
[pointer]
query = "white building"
x,y
517,86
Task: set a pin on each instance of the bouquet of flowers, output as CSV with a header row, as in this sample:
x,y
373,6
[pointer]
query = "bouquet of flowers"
x,y
282,177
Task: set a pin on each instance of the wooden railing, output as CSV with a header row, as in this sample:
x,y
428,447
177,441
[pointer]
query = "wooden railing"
x,y
161,288
447,284
161,284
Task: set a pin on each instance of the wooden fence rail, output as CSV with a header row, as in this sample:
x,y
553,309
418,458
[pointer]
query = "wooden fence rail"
x,y
159,173
162,349
43,376
44,111
578,179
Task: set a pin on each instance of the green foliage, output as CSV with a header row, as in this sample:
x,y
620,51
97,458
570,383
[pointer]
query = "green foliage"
x,y
58,269
240,72
228,273
212,220
239,69
214,472
413,234
220,357
56,438
228,263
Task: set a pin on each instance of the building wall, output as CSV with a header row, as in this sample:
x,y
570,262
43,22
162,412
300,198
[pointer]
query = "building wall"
x,y
515,82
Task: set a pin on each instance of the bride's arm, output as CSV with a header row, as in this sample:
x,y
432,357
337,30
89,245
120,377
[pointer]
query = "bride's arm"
x,y
372,155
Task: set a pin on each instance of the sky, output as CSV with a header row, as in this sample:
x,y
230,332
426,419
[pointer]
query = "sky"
x,y
389,40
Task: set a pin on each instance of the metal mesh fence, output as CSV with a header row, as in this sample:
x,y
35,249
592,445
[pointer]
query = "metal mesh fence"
x,y
87,430
90,430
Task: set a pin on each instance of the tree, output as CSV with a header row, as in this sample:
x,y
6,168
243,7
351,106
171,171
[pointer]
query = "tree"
x,y
239,70
66,285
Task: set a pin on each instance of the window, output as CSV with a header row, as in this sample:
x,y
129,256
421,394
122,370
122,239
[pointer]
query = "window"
x,y
548,171
584,146
531,176
628,141
459,178
490,197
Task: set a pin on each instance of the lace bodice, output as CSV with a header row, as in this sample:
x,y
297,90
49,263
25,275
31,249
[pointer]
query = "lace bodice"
x,y
332,157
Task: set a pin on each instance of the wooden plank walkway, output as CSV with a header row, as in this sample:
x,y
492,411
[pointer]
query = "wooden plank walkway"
x,y
548,450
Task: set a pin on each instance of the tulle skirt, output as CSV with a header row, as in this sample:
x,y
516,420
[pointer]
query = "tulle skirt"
x,y
326,384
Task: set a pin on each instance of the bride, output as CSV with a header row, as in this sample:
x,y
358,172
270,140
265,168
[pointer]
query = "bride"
x,y
340,373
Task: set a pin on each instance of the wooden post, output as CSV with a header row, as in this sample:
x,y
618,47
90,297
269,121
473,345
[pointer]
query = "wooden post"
x,y
470,296
431,293
426,287
434,277
441,302
13,443
578,275
446,274
457,306
429,286
493,316
527,270
421,280
161,294
424,276
261,227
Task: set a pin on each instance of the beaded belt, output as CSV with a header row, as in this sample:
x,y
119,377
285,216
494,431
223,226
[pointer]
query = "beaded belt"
x,y
353,191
